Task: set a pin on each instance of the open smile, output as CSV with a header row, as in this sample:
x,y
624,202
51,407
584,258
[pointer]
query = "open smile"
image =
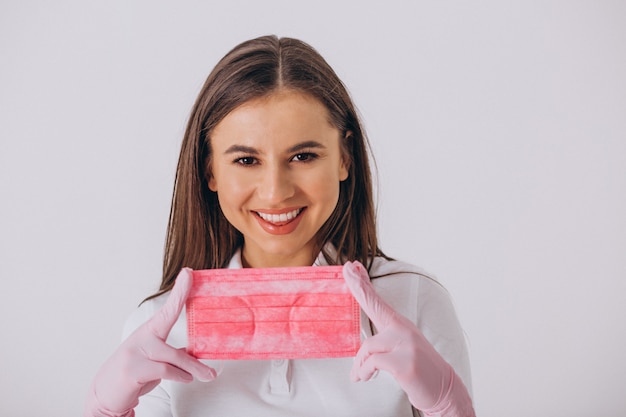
x,y
281,218
279,222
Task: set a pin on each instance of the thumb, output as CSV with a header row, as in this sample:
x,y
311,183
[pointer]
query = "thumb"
x,y
358,281
163,321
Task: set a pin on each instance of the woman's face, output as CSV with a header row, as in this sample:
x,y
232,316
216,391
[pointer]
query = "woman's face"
x,y
276,168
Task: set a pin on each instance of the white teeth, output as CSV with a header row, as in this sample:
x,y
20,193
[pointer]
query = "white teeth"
x,y
279,218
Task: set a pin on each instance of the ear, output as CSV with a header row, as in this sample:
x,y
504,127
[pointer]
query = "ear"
x,y
208,174
343,169
212,184
344,164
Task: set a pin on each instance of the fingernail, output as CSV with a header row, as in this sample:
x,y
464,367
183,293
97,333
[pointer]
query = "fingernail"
x,y
207,375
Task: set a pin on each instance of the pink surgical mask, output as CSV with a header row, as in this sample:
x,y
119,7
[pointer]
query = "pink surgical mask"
x,y
272,313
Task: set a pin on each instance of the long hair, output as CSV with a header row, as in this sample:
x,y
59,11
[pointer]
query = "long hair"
x,y
198,234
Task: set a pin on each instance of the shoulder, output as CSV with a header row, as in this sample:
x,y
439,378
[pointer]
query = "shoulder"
x,y
414,293
409,288
382,266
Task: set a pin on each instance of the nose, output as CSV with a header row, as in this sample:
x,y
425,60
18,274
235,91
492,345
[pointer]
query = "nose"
x,y
275,184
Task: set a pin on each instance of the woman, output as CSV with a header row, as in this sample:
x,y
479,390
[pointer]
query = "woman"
x,y
274,171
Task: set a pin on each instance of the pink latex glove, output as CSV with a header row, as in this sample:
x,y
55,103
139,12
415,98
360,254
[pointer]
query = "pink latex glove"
x,y
399,348
143,359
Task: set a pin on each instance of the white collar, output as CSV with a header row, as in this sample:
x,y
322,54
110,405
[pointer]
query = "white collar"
x,y
235,261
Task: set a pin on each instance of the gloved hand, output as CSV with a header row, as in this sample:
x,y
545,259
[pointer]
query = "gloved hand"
x,y
143,359
399,348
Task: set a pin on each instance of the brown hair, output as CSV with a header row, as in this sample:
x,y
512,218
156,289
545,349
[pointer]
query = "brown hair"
x,y
198,234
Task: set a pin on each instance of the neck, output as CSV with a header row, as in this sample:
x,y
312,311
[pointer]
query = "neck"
x,y
275,261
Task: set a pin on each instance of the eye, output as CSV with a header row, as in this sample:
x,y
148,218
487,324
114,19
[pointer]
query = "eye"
x,y
246,160
304,157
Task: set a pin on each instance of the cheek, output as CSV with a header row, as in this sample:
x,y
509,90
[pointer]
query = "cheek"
x,y
232,179
325,190
232,192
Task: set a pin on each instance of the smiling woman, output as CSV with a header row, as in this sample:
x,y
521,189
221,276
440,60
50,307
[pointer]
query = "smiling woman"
x,y
255,92
274,172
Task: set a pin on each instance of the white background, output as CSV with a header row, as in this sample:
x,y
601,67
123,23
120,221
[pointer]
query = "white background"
x,y
499,130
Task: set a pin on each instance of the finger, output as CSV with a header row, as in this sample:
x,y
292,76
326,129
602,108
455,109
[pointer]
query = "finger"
x,y
358,281
377,362
193,366
199,370
376,344
162,370
372,346
163,357
163,321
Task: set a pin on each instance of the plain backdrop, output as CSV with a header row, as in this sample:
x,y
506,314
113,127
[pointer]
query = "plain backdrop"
x,y
499,130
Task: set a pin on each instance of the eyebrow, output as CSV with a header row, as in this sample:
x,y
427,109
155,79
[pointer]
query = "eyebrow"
x,y
305,145
253,151
241,149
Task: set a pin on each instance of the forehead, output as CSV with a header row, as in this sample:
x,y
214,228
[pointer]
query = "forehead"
x,y
281,113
